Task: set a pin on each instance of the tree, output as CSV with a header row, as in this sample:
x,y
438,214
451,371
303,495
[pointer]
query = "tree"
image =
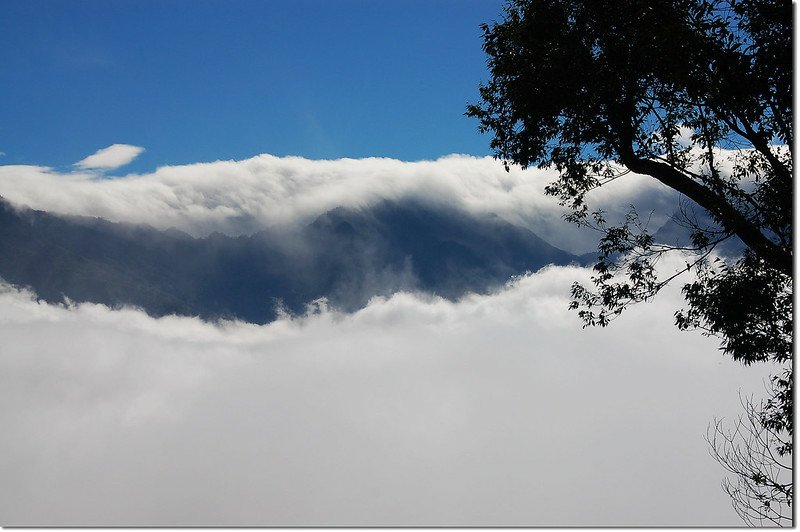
x,y
761,486
697,95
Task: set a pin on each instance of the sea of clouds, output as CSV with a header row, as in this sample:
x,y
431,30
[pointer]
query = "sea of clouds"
x,y
493,410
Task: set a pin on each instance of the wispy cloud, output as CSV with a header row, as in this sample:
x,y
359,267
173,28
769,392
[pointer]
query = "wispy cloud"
x,y
112,157
494,410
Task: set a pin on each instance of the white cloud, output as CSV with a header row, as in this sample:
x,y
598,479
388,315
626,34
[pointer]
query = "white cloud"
x,y
684,137
112,157
236,197
494,410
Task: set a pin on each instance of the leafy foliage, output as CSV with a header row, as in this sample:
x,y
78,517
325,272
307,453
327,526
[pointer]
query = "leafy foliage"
x,y
694,93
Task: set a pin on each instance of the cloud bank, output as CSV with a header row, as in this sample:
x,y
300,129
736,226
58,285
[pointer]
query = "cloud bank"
x,y
493,410
241,197
112,157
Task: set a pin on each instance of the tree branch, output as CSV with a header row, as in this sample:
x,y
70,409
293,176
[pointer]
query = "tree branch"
x,y
774,255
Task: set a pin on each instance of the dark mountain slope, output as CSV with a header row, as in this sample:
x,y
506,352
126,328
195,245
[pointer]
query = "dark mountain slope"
x,y
441,250
345,255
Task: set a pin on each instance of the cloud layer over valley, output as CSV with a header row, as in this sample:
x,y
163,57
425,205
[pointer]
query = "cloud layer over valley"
x,y
393,406
493,410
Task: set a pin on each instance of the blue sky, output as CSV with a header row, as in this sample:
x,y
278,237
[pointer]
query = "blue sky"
x,y
205,80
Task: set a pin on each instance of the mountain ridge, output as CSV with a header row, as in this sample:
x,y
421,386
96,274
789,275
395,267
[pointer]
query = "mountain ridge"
x,y
344,255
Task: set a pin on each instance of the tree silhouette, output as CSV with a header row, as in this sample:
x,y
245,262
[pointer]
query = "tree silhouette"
x,y
693,93
761,483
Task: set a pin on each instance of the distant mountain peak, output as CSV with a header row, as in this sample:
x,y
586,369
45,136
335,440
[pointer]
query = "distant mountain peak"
x,y
346,255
